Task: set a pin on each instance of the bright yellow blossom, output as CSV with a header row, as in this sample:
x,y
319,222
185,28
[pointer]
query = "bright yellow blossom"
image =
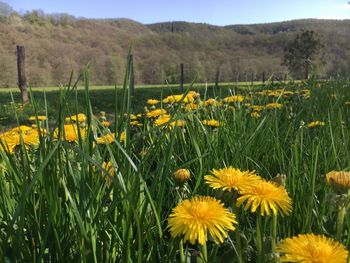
x,y
195,218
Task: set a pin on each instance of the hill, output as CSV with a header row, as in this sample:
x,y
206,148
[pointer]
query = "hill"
x,y
59,43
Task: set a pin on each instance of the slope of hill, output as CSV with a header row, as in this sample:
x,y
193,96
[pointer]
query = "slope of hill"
x,y
57,44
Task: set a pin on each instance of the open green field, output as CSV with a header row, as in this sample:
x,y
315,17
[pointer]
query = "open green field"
x,y
151,86
255,159
102,98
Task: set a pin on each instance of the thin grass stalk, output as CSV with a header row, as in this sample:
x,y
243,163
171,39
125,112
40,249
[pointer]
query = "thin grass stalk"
x,y
274,232
340,222
259,243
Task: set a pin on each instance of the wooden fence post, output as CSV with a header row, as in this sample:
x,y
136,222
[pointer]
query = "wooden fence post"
x,y
182,76
22,80
217,77
263,77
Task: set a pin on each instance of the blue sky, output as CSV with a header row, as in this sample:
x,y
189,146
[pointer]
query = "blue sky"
x,y
217,12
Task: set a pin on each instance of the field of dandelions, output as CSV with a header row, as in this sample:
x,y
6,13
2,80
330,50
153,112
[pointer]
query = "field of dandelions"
x,y
259,174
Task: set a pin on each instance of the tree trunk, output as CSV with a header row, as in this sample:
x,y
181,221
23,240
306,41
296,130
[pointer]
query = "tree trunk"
x,y
306,70
22,80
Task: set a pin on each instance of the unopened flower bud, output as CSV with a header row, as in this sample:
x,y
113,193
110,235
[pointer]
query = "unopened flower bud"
x,y
339,181
181,176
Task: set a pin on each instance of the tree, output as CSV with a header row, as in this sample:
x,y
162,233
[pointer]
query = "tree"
x,y
299,55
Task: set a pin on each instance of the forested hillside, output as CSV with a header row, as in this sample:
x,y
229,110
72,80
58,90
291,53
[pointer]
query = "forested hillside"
x,y
57,44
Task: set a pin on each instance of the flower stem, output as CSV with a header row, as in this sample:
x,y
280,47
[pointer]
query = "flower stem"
x,y
340,221
203,258
274,232
258,237
238,236
238,244
182,254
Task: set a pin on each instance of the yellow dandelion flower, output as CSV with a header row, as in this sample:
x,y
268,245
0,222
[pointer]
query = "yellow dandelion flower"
x,y
133,117
162,119
155,113
105,123
172,99
315,124
109,167
211,102
190,97
268,197
257,108
231,99
274,94
70,133
123,136
193,94
339,181
195,217
31,138
305,93
106,139
189,107
181,176
109,138
152,101
230,178
274,105
255,114
212,123
21,128
178,123
40,118
310,248
81,118
136,123
9,141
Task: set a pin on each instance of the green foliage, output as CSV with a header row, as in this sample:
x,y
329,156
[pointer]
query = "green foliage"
x,y
56,204
300,54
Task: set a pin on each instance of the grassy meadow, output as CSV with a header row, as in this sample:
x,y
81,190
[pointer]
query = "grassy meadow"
x,y
102,98
84,186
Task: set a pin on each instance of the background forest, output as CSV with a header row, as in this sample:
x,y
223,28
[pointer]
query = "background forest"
x,y
56,44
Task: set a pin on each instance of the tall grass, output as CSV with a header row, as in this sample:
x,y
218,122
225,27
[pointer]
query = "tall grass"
x,y
56,204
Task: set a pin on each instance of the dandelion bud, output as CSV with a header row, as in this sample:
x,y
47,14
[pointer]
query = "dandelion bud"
x,y
339,181
181,176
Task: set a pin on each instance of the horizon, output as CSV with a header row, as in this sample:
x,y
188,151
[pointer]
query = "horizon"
x,y
220,13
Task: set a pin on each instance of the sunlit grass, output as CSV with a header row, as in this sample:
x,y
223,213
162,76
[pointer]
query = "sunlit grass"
x,y
90,191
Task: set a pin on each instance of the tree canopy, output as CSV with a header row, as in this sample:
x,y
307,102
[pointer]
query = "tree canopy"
x,y
300,53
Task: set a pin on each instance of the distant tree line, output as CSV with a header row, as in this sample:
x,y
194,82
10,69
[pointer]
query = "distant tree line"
x,y
56,44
